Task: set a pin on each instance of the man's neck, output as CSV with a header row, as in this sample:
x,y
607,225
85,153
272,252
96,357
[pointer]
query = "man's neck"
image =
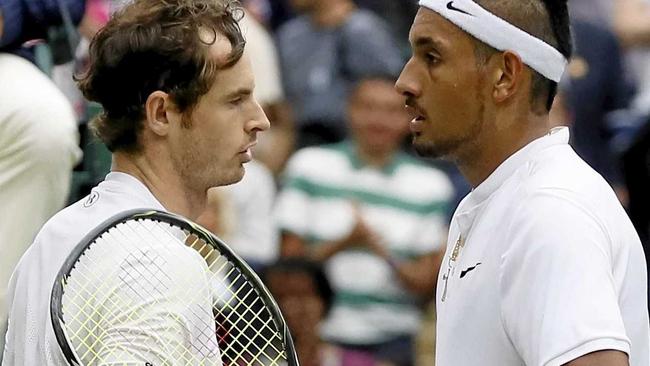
x,y
167,188
376,159
330,14
497,145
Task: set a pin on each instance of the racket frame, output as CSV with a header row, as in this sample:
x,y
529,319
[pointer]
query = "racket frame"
x,y
56,308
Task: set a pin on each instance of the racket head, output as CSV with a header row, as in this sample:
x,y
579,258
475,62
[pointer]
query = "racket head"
x,y
248,326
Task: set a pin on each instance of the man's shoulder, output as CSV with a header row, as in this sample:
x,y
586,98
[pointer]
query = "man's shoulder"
x,y
562,174
69,225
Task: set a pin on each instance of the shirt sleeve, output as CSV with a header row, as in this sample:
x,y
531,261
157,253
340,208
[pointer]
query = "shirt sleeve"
x,y
559,299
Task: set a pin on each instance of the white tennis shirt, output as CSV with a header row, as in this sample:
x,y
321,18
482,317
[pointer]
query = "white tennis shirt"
x,y
30,338
549,267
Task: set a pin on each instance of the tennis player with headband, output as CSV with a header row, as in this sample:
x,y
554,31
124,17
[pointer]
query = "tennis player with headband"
x,y
543,266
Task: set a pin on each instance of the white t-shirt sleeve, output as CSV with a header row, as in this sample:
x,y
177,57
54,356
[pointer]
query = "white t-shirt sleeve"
x,y
559,298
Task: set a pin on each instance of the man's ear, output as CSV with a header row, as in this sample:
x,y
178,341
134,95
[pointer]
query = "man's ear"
x,y
159,110
507,76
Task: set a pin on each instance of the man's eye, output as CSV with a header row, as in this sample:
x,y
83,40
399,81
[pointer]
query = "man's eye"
x,y
236,101
431,58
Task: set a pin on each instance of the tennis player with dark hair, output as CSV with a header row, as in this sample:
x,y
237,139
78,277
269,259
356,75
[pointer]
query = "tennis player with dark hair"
x,y
543,266
180,118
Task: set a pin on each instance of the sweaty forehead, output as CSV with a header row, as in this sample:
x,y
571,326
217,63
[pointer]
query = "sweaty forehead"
x,y
431,27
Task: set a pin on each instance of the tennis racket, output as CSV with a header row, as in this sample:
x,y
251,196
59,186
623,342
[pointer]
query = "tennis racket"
x,y
150,288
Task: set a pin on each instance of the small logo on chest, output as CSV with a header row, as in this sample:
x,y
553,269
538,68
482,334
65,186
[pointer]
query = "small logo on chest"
x,y
92,198
464,272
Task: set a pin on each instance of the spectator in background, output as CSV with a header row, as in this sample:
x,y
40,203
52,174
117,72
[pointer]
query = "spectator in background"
x,y
243,216
398,14
38,134
629,20
375,218
323,52
305,297
631,23
593,89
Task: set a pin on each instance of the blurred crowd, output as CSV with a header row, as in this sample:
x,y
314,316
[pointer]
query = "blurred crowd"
x,y
345,223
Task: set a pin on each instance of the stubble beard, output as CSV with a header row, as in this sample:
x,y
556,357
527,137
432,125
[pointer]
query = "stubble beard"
x,y
450,148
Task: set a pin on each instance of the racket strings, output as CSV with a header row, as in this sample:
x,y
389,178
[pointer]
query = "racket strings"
x,y
142,262
114,305
258,334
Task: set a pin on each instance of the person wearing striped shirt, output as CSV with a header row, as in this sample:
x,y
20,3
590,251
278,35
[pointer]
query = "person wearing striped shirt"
x,y
376,219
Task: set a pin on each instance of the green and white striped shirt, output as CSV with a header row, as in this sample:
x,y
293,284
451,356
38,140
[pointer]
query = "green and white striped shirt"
x,y
405,203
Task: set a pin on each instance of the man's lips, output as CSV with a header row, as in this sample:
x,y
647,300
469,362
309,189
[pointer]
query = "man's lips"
x,y
418,116
415,111
248,147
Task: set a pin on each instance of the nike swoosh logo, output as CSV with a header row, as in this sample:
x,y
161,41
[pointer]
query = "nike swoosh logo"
x,y
450,6
463,273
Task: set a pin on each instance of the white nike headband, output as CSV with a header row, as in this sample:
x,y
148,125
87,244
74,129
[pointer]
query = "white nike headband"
x,y
496,32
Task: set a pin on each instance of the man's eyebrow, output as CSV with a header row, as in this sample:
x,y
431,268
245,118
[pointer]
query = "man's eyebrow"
x,y
424,41
240,91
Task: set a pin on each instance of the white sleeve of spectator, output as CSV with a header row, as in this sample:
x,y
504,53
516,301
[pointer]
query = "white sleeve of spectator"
x,y
292,204
559,299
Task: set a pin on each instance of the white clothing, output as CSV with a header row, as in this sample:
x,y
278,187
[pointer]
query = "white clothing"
x,y
30,338
264,60
38,149
254,235
551,267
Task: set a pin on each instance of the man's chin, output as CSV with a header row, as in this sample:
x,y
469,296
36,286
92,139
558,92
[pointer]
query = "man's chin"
x,y
428,150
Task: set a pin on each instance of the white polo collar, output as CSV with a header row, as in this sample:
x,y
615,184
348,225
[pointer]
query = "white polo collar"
x,y
469,206
125,183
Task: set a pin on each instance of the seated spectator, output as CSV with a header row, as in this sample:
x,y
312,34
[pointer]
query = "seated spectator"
x,y
375,218
323,52
243,216
38,135
305,296
594,88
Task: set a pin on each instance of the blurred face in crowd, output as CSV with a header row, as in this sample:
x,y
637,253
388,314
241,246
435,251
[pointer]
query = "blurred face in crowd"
x,y
302,6
444,88
300,302
210,144
377,119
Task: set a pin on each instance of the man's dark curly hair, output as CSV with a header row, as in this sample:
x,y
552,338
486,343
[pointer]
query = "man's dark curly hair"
x,y
154,45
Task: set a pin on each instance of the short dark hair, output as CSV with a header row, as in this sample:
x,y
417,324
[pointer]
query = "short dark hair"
x,y
312,269
154,45
547,20
387,77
